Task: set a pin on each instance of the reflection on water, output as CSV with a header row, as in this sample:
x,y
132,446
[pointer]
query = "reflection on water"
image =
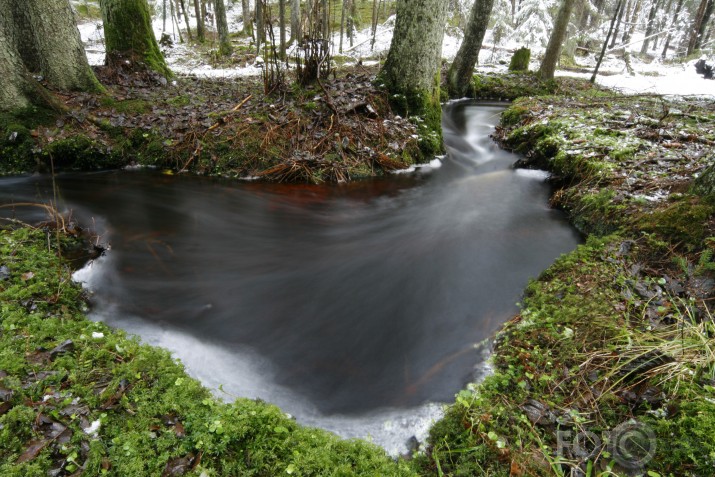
x,y
327,300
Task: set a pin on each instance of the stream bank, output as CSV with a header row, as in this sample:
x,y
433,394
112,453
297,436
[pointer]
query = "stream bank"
x,y
615,333
609,367
341,129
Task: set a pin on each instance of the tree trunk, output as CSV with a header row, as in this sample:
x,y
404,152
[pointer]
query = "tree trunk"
x,y
411,71
15,91
325,20
556,40
186,19
200,27
44,35
650,26
605,43
295,33
260,29
695,26
630,29
224,41
703,24
128,34
282,28
614,38
678,8
247,20
459,78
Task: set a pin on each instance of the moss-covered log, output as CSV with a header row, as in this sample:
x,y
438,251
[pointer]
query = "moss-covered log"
x,y
128,34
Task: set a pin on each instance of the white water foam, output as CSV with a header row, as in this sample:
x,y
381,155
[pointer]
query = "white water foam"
x,y
235,373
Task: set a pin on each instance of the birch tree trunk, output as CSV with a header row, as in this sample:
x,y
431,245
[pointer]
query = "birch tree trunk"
x,y
128,33
459,77
224,41
411,72
556,40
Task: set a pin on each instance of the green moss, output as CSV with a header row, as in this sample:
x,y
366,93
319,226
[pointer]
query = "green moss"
x,y
684,222
520,60
127,106
80,153
16,141
128,33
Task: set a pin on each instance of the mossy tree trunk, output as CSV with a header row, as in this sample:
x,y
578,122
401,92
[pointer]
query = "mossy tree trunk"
x,y
411,71
45,31
520,60
224,42
128,34
45,35
459,78
556,40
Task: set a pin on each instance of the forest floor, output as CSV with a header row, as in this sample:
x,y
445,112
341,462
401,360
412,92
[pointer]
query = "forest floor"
x,y
334,130
608,369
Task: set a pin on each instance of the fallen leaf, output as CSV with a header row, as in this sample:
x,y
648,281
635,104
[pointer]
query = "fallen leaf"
x,y
27,276
33,449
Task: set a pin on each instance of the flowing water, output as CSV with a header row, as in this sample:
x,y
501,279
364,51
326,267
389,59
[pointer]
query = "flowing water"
x,y
354,307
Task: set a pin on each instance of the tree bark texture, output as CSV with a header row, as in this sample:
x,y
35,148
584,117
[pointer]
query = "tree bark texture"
x,y
695,26
614,38
45,35
200,27
678,8
650,26
412,64
224,41
14,85
556,40
703,24
459,78
605,42
282,28
128,33
295,33
247,19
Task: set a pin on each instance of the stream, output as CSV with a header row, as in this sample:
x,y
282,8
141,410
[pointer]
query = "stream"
x,y
358,308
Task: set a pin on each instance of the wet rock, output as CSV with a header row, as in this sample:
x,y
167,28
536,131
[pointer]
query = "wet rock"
x,y
538,413
5,394
64,347
178,466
